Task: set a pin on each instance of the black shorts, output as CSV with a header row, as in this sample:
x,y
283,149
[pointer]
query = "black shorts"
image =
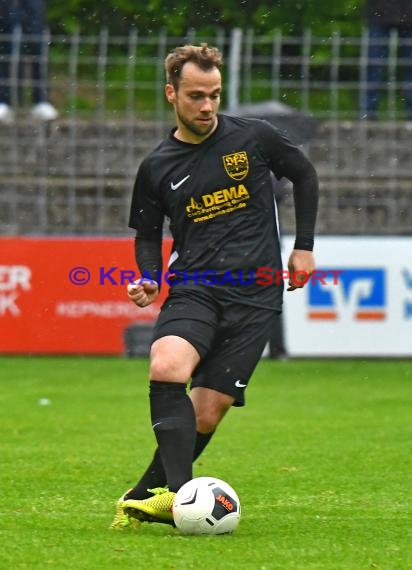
x,y
229,334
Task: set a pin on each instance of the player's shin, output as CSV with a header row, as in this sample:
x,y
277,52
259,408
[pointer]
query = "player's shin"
x,y
174,425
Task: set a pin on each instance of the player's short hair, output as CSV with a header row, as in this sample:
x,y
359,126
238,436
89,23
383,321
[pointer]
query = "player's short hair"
x,y
204,56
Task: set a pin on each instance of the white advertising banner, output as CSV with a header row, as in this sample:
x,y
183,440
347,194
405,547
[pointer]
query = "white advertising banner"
x,y
358,303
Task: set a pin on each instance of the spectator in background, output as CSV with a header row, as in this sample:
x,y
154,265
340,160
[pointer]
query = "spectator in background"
x,y
382,17
30,17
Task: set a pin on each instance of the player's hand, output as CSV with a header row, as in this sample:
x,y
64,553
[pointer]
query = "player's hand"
x,y
142,292
301,265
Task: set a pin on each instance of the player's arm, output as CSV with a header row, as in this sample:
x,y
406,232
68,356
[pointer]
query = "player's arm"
x,y
286,160
146,216
303,175
148,254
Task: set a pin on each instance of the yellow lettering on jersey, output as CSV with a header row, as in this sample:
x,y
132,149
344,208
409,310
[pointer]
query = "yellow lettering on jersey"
x,y
218,197
193,206
242,192
218,203
225,195
208,200
230,193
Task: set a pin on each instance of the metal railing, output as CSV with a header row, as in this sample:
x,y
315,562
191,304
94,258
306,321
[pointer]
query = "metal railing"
x,y
324,76
75,175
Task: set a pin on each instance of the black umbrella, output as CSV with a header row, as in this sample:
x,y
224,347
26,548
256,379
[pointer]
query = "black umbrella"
x,y
297,126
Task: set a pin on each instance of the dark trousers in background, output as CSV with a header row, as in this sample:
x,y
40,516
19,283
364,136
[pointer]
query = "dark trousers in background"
x,y
376,72
30,17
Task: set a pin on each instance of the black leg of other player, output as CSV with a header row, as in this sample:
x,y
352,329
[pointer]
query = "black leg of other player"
x,y
155,476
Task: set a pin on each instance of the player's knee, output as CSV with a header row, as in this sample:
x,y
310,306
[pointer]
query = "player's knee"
x,y
172,358
161,369
166,369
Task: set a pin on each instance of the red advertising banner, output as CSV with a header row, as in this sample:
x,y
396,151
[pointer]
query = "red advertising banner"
x,y
68,295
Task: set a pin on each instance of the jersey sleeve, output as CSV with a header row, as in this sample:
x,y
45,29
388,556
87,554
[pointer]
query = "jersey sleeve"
x,y
286,160
146,217
146,212
282,156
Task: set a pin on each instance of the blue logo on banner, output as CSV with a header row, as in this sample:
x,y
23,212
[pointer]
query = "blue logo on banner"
x,y
359,293
407,277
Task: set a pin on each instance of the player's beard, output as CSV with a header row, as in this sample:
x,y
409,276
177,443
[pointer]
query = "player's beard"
x,y
194,129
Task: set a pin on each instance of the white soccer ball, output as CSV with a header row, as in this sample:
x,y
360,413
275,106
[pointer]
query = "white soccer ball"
x,y
206,505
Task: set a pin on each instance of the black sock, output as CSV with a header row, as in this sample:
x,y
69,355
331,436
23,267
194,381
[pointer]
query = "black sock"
x,y
174,425
202,439
155,476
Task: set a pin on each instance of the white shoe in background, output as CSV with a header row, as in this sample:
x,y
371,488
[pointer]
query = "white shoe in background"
x,y
44,112
6,114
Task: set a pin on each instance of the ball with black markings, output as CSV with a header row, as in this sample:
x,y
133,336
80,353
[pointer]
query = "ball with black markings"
x,y
206,505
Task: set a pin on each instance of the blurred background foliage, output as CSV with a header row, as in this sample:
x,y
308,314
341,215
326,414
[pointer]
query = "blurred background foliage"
x,y
177,17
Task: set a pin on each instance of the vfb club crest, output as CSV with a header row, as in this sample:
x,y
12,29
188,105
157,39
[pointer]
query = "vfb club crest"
x,y
236,165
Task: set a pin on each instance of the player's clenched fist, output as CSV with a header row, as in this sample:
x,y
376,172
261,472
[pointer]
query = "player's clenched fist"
x,y
301,266
142,292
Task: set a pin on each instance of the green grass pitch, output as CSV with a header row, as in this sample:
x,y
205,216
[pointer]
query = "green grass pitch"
x,y
321,457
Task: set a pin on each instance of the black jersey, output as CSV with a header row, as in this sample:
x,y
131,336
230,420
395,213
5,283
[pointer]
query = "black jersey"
x,y
219,198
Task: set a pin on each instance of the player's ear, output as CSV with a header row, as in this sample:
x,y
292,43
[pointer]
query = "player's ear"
x,y
170,93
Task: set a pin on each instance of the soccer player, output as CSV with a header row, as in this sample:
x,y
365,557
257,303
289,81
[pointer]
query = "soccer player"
x,y
212,178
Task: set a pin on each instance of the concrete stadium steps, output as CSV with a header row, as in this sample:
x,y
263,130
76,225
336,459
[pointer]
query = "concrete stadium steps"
x,y
352,208
77,176
110,149
365,149
79,148
52,207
